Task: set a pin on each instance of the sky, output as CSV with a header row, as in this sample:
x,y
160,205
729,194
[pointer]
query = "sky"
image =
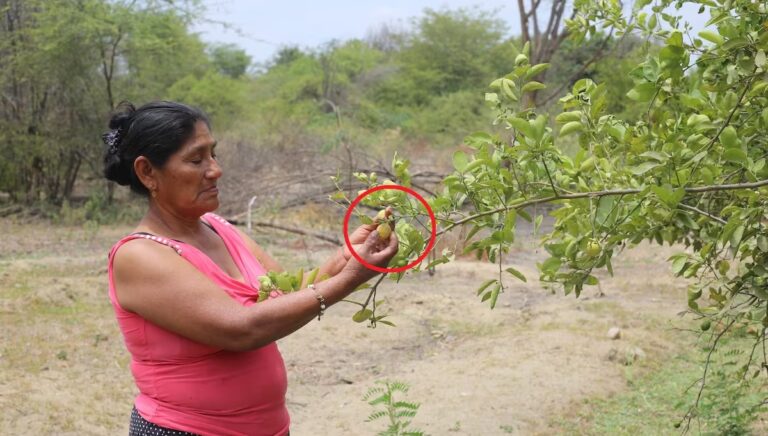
x,y
263,27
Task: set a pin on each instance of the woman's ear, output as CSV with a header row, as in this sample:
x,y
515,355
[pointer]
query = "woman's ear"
x,y
145,172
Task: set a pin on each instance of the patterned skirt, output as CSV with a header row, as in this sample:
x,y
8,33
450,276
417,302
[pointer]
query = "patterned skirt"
x,y
142,427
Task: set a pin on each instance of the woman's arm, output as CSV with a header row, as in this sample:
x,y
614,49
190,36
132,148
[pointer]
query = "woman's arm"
x,y
332,266
162,287
337,261
269,263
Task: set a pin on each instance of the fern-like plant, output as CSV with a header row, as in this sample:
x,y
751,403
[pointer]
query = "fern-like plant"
x,y
400,413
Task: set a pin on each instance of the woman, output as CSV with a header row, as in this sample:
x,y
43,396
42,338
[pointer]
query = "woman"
x,y
184,283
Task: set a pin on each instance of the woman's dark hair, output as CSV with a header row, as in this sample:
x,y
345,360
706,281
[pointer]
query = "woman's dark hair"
x,y
155,131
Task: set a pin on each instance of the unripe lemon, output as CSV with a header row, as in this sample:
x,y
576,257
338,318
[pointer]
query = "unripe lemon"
x,y
705,325
384,230
593,248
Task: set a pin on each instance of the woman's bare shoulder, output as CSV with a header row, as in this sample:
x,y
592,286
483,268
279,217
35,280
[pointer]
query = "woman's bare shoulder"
x,y
143,254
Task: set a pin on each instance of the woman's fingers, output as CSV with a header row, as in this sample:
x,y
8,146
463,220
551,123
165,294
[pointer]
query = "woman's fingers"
x,y
378,251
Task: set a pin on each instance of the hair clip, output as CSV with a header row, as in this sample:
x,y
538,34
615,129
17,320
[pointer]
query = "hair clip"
x,y
111,139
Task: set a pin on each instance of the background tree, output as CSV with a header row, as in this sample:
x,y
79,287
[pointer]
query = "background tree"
x,y
65,66
230,60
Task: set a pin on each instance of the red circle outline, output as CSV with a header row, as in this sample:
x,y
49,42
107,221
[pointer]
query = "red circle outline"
x,y
432,220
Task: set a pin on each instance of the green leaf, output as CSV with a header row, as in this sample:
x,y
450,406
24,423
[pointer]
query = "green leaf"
x,y
643,168
718,18
566,117
711,36
652,22
472,232
551,265
736,236
478,139
283,282
517,274
438,261
659,156
604,208
521,125
735,155
762,243
508,230
524,215
735,43
723,266
460,160
536,70
362,315
299,278
675,39
312,275
495,294
668,195
533,86
485,285
643,92
508,90
694,295
729,137
760,58
571,127
678,265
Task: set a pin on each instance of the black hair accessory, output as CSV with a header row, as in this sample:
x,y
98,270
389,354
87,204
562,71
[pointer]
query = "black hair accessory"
x,y
111,139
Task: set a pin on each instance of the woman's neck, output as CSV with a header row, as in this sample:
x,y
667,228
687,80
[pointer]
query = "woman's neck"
x,y
171,224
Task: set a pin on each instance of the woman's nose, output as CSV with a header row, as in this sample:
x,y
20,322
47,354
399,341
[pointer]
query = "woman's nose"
x,y
214,171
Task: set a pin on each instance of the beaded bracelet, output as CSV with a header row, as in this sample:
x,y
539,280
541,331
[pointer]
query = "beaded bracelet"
x,y
320,299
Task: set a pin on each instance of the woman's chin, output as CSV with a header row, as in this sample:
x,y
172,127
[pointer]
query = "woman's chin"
x,y
213,205
202,208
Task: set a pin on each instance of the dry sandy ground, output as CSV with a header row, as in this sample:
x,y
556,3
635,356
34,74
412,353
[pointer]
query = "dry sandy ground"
x,y
475,371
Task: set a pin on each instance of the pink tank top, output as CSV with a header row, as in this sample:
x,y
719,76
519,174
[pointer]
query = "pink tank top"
x,y
193,387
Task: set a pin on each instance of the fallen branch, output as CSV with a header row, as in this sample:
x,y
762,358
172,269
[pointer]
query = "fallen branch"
x,y
295,230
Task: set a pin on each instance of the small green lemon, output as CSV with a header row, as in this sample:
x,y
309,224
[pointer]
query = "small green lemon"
x,y
593,248
384,231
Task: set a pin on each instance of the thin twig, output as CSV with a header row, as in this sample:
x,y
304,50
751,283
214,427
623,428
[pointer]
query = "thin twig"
x,y
702,212
373,289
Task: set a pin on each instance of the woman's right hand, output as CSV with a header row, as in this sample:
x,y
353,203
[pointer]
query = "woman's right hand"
x,y
374,251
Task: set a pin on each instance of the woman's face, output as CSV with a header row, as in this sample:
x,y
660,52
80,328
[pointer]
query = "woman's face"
x,y
187,182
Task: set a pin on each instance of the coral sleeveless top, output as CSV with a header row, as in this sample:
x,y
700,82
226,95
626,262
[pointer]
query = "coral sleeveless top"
x,y
197,388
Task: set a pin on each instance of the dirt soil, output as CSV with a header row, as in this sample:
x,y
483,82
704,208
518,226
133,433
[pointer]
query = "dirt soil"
x,y
475,371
